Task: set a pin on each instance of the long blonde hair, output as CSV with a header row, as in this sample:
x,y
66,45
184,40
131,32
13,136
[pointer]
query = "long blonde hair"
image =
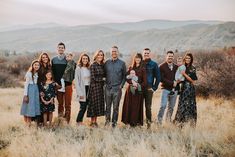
x,y
96,55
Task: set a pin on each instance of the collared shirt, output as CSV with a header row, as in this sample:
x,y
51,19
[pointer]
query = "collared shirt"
x,y
115,73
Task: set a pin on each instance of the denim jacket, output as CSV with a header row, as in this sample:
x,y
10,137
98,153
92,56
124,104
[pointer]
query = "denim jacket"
x,y
153,74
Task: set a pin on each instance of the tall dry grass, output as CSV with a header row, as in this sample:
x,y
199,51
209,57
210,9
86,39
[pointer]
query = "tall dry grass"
x,y
213,136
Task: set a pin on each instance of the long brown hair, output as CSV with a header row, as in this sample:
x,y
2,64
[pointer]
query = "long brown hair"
x,y
138,55
80,60
31,69
191,56
96,55
48,65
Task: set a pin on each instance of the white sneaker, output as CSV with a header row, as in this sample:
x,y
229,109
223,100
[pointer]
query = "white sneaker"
x,y
61,90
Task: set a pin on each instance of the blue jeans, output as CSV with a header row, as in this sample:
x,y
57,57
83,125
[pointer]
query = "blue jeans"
x,y
167,99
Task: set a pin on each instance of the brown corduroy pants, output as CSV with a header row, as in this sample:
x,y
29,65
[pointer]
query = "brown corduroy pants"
x,y
64,103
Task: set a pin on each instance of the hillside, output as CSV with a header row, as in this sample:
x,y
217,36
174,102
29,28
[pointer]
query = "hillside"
x,y
79,38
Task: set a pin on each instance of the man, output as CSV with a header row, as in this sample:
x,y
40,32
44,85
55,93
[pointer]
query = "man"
x,y
115,71
168,70
153,79
59,64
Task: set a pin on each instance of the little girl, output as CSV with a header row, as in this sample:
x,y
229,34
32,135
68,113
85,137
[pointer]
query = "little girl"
x,y
31,105
48,89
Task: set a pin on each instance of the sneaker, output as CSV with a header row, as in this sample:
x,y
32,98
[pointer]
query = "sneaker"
x,y
61,90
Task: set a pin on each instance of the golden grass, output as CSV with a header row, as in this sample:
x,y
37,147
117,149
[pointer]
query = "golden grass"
x,y
213,136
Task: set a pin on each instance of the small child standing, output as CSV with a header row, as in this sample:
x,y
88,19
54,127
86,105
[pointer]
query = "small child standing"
x,y
179,78
48,88
134,79
31,105
69,72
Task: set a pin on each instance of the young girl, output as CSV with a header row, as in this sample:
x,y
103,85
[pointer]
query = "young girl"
x,y
31,106
82,83
48,89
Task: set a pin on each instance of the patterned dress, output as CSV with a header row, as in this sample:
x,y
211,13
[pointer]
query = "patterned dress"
x,y
96,92
49,92
187,108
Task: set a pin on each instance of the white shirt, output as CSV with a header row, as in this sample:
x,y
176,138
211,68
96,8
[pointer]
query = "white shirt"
x,y
86,75
29,80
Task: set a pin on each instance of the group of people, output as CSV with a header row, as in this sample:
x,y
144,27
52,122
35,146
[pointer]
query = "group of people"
x,y
99,84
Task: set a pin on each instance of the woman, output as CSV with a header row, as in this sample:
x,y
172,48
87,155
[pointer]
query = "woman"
x,y
45,65
96,92
82,83
187,109
132,112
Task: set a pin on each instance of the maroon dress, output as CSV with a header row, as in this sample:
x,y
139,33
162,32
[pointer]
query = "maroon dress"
x,y
132,111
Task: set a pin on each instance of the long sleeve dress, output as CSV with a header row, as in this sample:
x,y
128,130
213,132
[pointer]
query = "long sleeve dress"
x,y
132,112
187,108
96,105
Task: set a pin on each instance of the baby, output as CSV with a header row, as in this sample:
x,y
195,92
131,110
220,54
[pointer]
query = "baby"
x,y
134,79
178,75
69,71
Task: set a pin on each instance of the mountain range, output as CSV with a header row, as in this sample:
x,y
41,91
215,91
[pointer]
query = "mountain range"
x,y
158,35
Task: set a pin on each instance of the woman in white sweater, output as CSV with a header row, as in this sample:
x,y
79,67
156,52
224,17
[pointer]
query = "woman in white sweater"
x,y
82,83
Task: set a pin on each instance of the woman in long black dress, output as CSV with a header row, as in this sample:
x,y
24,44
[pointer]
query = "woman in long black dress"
x,y
96,106
187,108
132,112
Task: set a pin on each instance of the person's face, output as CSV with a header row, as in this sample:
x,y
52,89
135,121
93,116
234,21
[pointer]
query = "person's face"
x,y
100,57
179,61
169,58
132,73
69,57
187,59
45,59
85,60
36,66
114,53
49,76
137,60
60,49
146,54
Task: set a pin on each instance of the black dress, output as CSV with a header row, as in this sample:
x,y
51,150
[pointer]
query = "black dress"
x,y
132,111
96,92
49,92
187,108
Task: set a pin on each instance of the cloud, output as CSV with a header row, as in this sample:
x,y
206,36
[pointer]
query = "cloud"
x,y
77,12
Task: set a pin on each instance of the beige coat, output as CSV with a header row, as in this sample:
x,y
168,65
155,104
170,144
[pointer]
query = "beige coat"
x,y
79,84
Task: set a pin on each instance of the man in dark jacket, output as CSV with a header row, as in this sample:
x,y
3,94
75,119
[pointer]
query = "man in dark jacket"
x,y
168,70
153,79
59,64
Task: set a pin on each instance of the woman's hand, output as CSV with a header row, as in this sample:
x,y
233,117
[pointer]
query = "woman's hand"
x,y
42,94
26,99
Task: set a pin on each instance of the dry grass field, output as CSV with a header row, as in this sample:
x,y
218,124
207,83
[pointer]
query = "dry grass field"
x,y
213,136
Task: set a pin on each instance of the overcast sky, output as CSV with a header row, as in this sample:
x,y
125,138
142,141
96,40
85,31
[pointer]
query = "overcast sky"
x,y
79,12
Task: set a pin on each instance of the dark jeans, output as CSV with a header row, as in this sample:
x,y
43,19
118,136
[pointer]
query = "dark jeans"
x,y
83,107
112,97
148,95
